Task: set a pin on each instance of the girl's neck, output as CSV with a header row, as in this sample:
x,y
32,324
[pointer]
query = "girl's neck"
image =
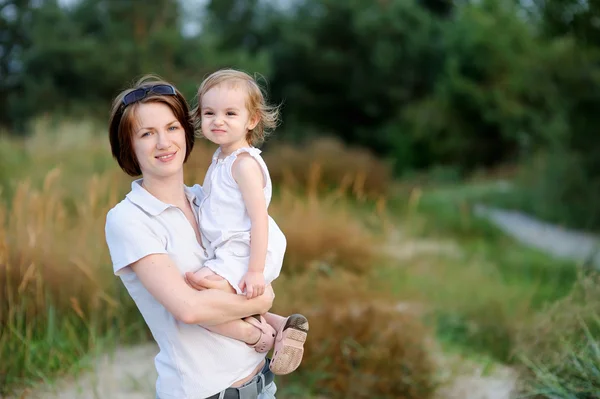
x,y
166,189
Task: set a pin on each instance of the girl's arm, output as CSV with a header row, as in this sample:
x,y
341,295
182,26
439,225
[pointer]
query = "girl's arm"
x,y
249,176
163,280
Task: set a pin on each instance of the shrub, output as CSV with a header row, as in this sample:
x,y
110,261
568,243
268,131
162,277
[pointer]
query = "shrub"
x,y
323,233
327,164
58,297
359,345
564,362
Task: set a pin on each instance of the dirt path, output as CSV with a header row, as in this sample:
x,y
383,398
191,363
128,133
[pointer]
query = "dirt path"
x,y
461,378
127,373
552,239
475,383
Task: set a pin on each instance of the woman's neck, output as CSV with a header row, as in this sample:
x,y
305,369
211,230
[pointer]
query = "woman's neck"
x,y
168,190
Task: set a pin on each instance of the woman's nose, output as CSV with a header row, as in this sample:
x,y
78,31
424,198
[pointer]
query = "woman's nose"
x,y
163,140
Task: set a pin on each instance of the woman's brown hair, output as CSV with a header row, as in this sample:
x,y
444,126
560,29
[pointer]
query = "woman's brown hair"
x,y
122,118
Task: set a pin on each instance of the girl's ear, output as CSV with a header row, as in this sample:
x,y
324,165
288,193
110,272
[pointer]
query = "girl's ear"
x,y
253,121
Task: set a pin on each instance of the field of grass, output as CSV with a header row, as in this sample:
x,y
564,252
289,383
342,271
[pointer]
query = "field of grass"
x,y
388,272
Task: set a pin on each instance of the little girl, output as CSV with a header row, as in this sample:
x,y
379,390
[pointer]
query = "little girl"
x,y
247,244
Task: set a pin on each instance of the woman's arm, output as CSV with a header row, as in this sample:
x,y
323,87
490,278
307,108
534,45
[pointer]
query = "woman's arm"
x,y
163,280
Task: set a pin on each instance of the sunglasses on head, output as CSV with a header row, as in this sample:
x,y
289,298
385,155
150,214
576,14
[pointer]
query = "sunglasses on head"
x,y
139,94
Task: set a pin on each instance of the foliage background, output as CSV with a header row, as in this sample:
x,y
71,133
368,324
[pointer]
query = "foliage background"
x,y
459,85
378,97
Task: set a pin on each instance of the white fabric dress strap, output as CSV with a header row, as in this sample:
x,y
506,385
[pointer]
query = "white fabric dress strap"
x,y
254,153
250,150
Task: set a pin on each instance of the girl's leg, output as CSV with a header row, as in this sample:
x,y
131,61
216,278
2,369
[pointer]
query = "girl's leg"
x,y
275,320
240,330
208,274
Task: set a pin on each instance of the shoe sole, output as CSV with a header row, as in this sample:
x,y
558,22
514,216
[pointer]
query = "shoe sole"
x,y
290,349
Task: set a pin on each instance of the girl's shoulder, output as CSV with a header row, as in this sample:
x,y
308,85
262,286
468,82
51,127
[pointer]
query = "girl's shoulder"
x,y
245,151
247,156
244,155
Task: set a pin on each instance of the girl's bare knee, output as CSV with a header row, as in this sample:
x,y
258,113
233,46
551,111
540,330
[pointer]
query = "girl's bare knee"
x,y
206,273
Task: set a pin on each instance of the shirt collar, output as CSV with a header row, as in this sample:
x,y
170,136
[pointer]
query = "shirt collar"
x,y
191,196
149,203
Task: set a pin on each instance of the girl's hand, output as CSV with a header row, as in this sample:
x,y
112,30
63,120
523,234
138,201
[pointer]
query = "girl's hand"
x,y
254,283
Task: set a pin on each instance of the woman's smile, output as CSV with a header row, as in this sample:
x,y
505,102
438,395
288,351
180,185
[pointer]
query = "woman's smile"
x,y
166,157
160,143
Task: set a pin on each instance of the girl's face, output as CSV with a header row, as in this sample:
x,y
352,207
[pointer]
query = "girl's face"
x,y
158,141
225,118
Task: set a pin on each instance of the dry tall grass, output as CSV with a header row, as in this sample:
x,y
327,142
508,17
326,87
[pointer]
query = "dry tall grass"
x,y
56,289
50,249
323,233
58,295
360,344
327,164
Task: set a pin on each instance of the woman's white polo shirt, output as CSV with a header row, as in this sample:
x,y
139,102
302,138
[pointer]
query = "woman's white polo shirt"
x,y
193,362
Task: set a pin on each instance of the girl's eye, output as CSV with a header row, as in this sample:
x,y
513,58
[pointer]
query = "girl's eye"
x,y
231,113
208,113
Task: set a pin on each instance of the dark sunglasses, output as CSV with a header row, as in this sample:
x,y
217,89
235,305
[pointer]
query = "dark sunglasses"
x,y
142,92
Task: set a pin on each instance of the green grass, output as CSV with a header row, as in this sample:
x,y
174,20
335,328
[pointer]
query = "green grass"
x,y
60,304
480,294
577,376
476,287
60,342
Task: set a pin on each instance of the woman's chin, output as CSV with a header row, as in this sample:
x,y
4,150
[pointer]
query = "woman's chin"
x,y
163,171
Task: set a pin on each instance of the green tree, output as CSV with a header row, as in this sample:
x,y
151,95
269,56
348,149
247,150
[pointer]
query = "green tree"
x,y
15,16
348,68
570,17
493,98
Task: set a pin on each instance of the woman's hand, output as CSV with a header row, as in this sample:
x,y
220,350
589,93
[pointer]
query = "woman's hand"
x,y
254,283
263,302
266,299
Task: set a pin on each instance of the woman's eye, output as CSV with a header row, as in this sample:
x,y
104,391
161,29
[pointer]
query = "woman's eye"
x,y
145,134
173,128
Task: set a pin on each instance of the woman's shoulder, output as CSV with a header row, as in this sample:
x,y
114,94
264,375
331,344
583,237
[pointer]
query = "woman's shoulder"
x,y
125,212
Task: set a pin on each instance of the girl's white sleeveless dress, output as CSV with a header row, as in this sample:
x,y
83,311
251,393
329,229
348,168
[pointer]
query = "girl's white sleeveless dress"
x,y
225,224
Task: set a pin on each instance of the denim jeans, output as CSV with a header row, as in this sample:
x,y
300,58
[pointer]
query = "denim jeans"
x,y
267,393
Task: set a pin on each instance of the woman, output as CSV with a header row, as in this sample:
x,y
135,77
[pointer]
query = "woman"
x,y
154,241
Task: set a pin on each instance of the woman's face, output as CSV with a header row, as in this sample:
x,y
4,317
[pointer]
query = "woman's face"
x,y
158,141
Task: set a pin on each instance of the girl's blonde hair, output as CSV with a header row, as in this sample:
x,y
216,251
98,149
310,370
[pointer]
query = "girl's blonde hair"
x,y
268,116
